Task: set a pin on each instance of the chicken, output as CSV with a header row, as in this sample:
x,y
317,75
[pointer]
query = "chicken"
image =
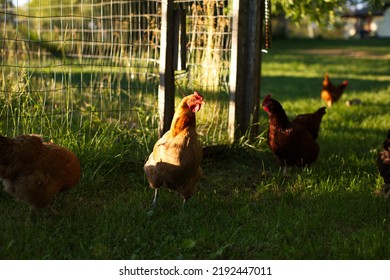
x,y
293,142
331,93
177,155
383,164
34,171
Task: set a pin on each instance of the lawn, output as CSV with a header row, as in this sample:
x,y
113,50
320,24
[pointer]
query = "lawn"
x,y
244,207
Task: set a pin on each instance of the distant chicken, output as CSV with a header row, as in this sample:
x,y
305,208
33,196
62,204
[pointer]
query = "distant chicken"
x,y
383,164
293,142
34,171
177,155
331,93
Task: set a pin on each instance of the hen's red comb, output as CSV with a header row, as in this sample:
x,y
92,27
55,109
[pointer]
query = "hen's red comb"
x,y
267,97
197,95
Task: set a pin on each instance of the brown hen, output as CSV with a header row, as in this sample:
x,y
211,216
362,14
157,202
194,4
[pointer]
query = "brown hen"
x,y
293,142
177,155
331,93
33,171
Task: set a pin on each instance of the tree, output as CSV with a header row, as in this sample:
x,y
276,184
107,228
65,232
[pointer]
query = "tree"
x,y
323,12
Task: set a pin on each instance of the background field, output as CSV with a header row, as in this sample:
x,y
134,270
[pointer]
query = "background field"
x,y
244,207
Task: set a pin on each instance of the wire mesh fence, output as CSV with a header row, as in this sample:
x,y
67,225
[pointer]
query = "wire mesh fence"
x,y
73,63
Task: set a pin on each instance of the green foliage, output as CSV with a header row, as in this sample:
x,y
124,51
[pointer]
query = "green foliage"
x,y
320,11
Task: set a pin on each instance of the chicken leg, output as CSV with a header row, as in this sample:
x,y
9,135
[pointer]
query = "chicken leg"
x,y
154,202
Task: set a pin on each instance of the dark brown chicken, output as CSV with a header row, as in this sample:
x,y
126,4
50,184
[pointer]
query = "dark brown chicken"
x,y
293,142
331,93
34,171
177,155
383,164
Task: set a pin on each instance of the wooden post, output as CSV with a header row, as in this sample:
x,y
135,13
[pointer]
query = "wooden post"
x,y
166,90
245,68
180,40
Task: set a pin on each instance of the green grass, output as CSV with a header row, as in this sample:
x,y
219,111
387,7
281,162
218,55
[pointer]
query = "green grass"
x,y
244,207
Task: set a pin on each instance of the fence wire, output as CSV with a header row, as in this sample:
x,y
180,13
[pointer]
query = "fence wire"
x,y
78,62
